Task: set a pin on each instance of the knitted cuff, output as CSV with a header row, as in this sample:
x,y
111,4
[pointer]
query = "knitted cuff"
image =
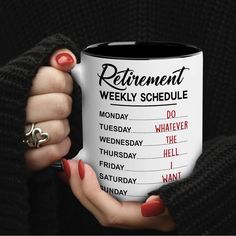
x,y
15,83
204,203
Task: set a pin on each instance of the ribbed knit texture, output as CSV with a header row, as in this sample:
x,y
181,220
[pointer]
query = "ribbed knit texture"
x,y
208,196
15,83
203,203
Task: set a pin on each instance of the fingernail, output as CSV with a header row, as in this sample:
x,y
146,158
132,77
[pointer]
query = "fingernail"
x,y
66,167
64,59
81,169
152,208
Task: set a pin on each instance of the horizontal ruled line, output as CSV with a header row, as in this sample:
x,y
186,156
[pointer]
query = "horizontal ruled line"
x,y
163,144
150,183
135,196
143,132
130,105
177,117
157,170
143,158
153,132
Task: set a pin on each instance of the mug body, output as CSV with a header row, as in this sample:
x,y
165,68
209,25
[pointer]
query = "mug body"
x,y
142,114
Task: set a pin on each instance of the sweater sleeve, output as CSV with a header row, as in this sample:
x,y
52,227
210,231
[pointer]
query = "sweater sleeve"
x,y
205,202
15,83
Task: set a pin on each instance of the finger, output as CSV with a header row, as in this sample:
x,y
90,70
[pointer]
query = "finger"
x,y
75,183
51,80
155,205
42,157
153,198
114,213
109,211
162,221
63,59
91,189
57,130
52,106
130,217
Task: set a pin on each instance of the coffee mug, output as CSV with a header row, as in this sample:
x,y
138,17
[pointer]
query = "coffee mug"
x,y
141,114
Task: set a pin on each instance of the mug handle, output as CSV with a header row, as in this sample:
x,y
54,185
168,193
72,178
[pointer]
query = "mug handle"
x,y
76,75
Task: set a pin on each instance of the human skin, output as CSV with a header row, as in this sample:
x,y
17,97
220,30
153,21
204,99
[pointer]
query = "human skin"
x,y
49,106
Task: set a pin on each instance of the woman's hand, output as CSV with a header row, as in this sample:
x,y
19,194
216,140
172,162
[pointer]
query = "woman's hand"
x,y
110,212
49,106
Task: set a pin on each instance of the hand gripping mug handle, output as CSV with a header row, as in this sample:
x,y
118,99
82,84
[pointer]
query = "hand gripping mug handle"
x,y
76,75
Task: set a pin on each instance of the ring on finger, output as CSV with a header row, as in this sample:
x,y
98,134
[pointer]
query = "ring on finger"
x,y
35,137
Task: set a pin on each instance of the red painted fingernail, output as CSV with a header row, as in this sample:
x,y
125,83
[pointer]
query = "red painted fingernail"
x,y
66,167
64,59
152,208
81,169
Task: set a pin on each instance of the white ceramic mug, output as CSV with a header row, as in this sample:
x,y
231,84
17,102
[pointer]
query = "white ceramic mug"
x,y
142,114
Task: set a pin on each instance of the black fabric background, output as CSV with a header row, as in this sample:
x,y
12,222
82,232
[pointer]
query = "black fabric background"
x,y
209,24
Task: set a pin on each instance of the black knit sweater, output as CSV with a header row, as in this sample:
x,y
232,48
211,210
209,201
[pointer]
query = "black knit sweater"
x,y
203,203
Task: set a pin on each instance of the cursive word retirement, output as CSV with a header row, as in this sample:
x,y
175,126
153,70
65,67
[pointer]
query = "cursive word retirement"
x,y
120,80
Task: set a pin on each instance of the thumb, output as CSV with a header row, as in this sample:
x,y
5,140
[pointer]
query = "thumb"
x,y
63,59
153,198
153,206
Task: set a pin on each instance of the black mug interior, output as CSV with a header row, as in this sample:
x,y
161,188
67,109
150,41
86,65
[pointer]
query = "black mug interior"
x,y
141,50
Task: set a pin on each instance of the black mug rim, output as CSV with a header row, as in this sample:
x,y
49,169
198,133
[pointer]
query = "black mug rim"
x,y
99,50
